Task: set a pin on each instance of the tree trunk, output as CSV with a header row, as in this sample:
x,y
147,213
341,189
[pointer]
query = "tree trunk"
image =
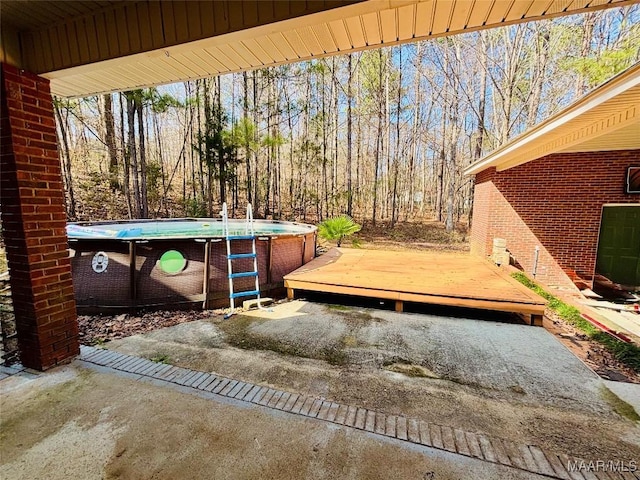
x,y
539,74
222,155
256,163
270,121
163,174
358,133
66,164
110,140
292,173
482,100
396,159
386,139
133,153
126,160
379,144
440,186
349,139
144,204
325,151
587,36
247,151
336,114
202,188
414,129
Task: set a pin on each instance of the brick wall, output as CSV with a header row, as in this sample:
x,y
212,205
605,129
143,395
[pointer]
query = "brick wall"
x,y
482,200
33,221
554,202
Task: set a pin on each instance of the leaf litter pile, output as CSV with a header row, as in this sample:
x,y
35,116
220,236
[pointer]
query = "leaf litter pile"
x,y
97,329
592,353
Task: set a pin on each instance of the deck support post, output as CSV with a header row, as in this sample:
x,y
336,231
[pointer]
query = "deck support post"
x,y
536,320
207,274
133,294
290,293
399,305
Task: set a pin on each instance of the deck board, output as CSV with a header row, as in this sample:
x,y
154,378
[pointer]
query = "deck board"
x,y
423,277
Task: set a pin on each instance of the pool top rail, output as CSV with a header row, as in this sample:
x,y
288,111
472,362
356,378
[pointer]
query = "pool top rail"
x,y
178,228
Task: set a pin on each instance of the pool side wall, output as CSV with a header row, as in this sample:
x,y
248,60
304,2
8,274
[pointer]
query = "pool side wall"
x,y
133,278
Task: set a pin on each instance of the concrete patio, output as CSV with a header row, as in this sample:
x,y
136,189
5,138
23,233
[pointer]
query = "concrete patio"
x,y
114,425
404,396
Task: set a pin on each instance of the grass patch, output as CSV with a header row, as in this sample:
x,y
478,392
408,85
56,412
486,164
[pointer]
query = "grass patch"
x,y
3,261
358,318
353,317
626,353
350,341
340,308
411,370
237,334
161,358
517,389
334,356
621,407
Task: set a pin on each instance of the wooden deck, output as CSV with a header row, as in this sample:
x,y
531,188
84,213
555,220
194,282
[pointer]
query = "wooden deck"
x,y
460,280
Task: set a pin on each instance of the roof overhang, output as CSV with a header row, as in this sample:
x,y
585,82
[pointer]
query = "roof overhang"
x,y
608,118
91,47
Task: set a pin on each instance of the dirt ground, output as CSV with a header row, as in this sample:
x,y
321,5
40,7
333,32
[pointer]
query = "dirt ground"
x,y
592,353
544,396
423,235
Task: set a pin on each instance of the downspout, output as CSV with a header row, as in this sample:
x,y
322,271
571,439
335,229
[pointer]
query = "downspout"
x,y
536,254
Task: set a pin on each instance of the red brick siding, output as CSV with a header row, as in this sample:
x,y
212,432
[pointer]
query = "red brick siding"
x,y
33,221
482,200
554,202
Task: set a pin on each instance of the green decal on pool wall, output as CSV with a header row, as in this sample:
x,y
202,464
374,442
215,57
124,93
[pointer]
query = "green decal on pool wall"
x,y
172,262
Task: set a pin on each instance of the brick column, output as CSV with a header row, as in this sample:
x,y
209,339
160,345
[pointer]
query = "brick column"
x,y
33,221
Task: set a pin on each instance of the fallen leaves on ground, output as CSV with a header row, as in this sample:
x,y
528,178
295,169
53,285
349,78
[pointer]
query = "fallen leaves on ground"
x,y
96,329
592,353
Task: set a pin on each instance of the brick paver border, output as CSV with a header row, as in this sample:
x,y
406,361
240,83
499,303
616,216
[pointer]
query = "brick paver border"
x,y
470,444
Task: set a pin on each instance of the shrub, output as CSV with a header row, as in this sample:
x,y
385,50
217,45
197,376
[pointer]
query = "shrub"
x,y
337,228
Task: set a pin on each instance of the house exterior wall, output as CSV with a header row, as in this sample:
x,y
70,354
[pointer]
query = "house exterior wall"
x,y
34,222
555,203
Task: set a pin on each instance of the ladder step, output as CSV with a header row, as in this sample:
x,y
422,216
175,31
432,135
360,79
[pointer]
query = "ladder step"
x,y
241,237
233,256
244,294
243,274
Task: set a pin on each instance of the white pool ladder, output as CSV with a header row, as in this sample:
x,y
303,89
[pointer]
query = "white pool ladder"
x,y
249,234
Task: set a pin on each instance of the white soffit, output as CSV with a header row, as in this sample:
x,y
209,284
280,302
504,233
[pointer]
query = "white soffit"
x,y
344,29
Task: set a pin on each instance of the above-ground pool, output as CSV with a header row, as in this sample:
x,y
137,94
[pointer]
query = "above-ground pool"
x,y
155,263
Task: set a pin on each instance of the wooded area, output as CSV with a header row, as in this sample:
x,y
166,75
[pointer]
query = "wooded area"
x,y
381,135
